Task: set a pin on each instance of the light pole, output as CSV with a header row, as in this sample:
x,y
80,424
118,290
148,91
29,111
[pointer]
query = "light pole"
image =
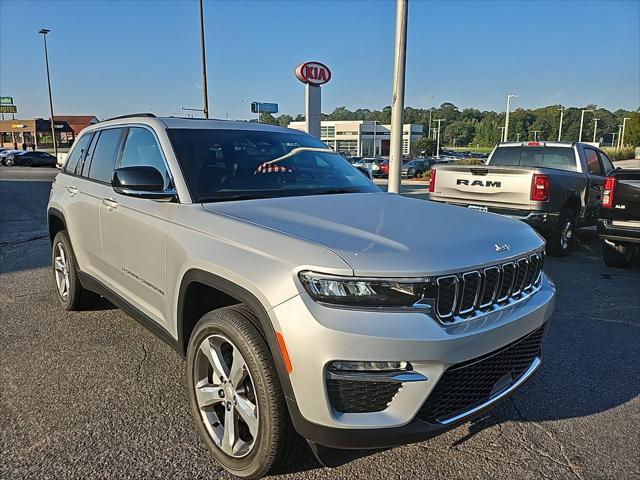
x,y
624,126
430,111
517,137
397,98
619,136
438,142
613,139
205,97
44,32
375,128
595,128
506,119
582,122
535,135
501,133
560,126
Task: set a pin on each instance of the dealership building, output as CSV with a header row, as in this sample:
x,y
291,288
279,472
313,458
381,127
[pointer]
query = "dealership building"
x,y
363,138
37,131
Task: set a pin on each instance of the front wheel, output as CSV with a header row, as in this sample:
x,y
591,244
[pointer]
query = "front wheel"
x,y
616,255
235,395
561,239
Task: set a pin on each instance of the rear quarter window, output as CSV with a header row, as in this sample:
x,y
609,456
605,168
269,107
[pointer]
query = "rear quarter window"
x,y
560,158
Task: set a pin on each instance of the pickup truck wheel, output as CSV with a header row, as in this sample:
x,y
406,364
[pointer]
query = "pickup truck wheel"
x,y
235,395
71,294
616,255
561,238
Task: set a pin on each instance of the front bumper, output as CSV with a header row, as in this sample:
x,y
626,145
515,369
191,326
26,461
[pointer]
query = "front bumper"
x,y
316,335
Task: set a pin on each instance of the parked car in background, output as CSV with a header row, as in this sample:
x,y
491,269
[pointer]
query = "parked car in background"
x,y
296,310
30,159
553,186
365,162
619,222
5,153
383,170
415,168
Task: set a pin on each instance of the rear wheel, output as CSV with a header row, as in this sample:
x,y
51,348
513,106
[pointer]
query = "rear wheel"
x,y
71,294
616,255
235,394
561,239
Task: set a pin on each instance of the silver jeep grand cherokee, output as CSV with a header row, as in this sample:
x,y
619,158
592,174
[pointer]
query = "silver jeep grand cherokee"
x,y
305,299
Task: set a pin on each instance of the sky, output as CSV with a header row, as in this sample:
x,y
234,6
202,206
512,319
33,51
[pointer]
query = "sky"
x,y
115,57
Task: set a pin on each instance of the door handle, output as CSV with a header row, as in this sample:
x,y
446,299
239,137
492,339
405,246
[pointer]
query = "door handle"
x,y
110,203
72,190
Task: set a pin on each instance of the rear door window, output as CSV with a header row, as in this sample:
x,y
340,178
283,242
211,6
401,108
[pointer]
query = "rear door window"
x,y
593,162
561,158
78,152
607,166
104,155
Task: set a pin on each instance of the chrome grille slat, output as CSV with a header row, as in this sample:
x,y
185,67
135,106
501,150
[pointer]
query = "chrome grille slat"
x,y
466,295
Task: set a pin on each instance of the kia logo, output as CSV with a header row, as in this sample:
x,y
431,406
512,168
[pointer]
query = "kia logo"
x,y
313,73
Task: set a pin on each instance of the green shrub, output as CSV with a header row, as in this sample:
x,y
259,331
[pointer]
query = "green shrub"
x,y
626,153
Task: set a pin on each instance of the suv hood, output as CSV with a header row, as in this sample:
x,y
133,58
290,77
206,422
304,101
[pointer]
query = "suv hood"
x,y
386,234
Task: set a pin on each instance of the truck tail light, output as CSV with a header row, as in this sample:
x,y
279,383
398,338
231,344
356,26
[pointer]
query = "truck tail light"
x,y
432,181
540,187
607,194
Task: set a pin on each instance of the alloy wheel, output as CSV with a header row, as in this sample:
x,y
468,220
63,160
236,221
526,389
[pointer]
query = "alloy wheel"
x,y
567,233
225,394
61,268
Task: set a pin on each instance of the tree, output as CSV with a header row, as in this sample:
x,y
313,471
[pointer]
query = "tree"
x,y
425,145
268,119
284,120
487,133
632,130
460,132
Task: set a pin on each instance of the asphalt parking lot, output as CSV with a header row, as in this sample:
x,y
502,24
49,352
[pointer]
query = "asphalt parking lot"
x,y
95,395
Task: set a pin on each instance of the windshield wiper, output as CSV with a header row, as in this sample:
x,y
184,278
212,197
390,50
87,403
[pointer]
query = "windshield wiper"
x,y
332,191
229,198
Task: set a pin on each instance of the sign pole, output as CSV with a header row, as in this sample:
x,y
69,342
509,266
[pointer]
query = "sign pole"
x,y
312,106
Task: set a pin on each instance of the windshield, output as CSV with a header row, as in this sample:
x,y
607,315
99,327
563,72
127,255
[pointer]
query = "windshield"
x,y
221,165
562,158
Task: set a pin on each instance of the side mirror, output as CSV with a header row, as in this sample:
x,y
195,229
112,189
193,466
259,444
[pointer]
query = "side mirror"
x,y
141,182
365,172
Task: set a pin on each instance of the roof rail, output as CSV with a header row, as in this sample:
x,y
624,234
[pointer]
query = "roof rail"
x,y
149,115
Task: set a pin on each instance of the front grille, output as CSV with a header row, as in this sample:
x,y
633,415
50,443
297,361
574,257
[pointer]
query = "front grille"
x,y
465,295
469,384
353,396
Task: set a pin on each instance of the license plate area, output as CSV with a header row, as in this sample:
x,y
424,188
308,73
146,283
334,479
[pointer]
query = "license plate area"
x,y
478,207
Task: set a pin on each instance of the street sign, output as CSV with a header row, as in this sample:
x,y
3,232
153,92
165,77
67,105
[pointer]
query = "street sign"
x,y
8,109
6,100
260,107
313,73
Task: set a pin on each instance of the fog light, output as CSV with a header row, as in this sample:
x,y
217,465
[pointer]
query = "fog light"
x,y
352,366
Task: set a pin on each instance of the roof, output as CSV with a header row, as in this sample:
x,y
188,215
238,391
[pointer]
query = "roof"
x,y
77,122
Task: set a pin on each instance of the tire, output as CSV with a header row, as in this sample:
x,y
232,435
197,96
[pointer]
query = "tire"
x,y
616,255
264,444
9,162
561,239
70,293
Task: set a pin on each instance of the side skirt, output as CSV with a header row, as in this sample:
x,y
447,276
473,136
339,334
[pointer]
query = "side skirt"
x,y
90,283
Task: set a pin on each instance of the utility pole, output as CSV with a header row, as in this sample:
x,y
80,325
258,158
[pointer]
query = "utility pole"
x,y
438,142
506,119
582,122
397,99
430,111
535,135
560,126
595,128
205,95
44,32
501,133
375,131
624,127
613,139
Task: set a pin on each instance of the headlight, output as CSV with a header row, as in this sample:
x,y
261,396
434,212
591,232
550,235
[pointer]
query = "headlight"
x,y
366,292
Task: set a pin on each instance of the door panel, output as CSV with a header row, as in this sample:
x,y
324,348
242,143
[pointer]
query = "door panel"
x,y
134,246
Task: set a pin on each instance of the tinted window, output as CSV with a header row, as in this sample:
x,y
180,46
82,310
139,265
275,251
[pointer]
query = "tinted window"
x,y
78,152
141,148
606,163
561,158
104,156
228,164
593,162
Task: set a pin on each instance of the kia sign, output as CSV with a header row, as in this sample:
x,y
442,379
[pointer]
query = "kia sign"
x,y
313,73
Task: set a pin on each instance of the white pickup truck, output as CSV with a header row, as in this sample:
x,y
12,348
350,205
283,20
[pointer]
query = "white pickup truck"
x,y
553,186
